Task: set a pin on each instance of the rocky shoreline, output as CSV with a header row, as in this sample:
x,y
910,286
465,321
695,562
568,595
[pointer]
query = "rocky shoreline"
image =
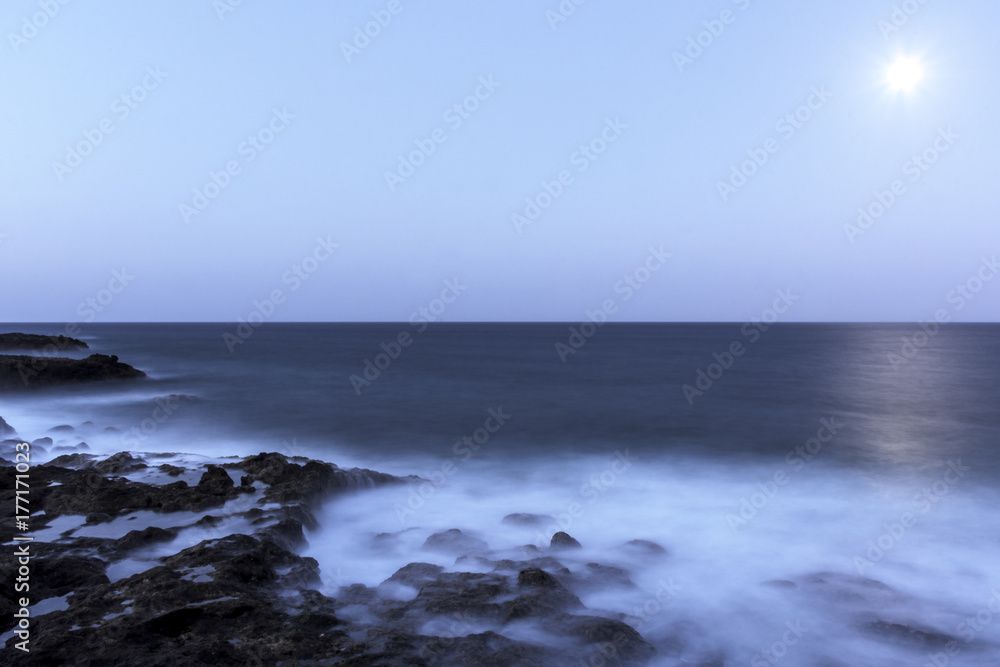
x,y
148,591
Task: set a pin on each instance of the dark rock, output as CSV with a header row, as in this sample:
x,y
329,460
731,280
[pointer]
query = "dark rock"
x,y
925,639
38,343
215,481
6,429
646,548
41,442
98,517
20,372
119,463
539,594
291,483
468,593
562,540
173,471
72,461
630,647
59,575
521,519
455,541
137,539
62,428
416,574
287,533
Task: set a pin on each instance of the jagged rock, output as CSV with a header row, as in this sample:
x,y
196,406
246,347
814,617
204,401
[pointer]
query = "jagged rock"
x,y
119,463
173,471
455,541
562,540
629,646
137,539
215,481
416,574
291,483
72,461
540,594
6,429
38,343
21,372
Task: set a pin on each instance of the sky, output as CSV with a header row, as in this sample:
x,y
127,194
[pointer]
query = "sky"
x,y
525,160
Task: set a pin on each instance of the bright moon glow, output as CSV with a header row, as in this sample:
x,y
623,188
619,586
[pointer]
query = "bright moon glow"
x,y
904,74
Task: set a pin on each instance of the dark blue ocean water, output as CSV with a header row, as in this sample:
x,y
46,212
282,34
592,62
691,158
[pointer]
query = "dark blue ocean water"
x,y
801,454
624,385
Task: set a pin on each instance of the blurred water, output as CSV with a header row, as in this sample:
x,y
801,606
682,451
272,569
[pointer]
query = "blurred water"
x,y
815,451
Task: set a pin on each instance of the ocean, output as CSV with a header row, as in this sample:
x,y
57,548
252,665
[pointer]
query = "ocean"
x,y
827,493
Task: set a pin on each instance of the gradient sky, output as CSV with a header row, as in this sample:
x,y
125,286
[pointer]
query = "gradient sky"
x,y
225,70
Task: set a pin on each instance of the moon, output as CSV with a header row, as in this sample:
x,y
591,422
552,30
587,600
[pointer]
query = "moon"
x,y
904,74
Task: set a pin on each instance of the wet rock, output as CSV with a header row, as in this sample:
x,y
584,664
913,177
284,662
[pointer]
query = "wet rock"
x,y
291,483
26,372
489,648
72,461
922,638
594,631
454,541
416,574
215,481
98,517
469,593
287,532
646,548
523,519
597,574
562,540
173,471
56,576
119,463
137,539
39,343
539,594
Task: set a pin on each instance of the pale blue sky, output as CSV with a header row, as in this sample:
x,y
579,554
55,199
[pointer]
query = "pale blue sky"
x,y
342,125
